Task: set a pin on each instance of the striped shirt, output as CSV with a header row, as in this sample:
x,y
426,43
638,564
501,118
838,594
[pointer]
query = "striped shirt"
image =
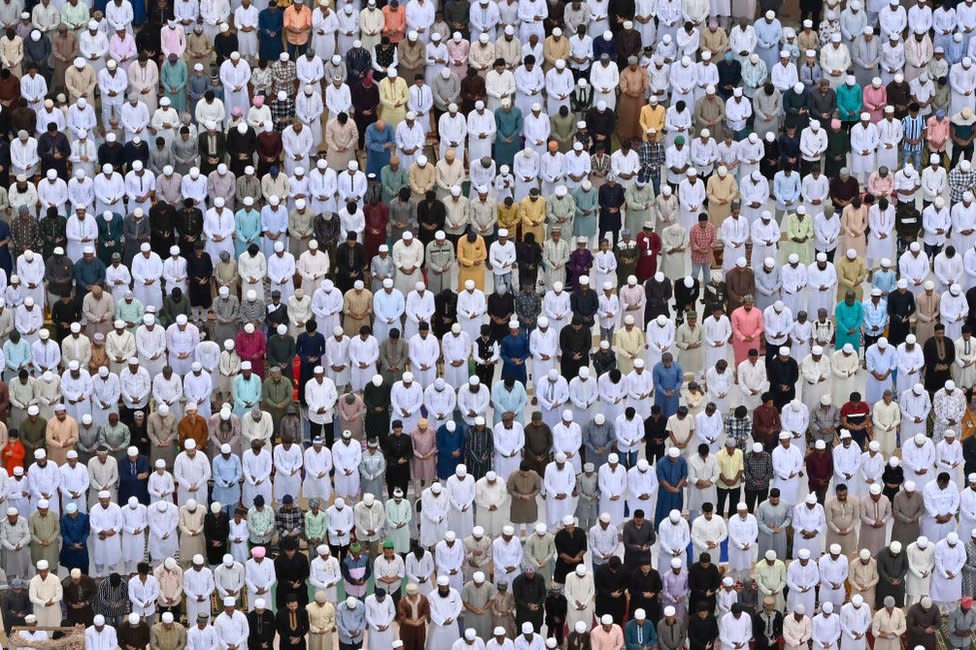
x,y
914,128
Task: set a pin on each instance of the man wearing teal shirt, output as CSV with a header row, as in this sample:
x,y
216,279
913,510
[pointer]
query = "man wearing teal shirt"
x,y
392,178
17,355
247,228
850,318
509,398
849,101
131,311
246,390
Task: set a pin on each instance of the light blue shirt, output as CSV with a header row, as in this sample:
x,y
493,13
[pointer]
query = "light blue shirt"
x,y
884,280
509,400
246,391
768,35
349,621
17,355
786,188
226,474
875,317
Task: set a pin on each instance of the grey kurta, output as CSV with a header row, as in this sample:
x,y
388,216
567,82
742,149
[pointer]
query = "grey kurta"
x,y
906,510
769,516
478,597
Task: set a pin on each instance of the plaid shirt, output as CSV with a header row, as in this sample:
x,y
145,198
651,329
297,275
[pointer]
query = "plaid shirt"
x,y
702,242
759,471
282,113
288,520
283,77
651,156
740,429
959,182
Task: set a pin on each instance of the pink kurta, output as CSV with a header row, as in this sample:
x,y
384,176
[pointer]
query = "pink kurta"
x,y
424,443
874,100
746,325
457,57
251,347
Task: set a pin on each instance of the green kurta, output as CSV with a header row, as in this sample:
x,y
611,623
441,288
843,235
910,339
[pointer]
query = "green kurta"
x,y
276,396
794,228
173,77
33,434
43,529
835,157
109,237
508,135
398,517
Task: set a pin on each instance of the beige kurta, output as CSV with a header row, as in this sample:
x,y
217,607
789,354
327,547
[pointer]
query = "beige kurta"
x,y
690,342
192,539
863,578
341,141
850,275
676,256
357,306
421,180
926,314
61,437
321,620
842,517
629,345
721,192
891,623
43,591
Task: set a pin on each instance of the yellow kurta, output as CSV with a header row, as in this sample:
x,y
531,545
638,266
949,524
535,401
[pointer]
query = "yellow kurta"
x,y
629,345
471,262
393,101
509,217
652,117
533,214
721,192
850,275
357,307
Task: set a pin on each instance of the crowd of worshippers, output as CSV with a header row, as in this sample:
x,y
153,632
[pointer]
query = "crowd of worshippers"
x,y
299,304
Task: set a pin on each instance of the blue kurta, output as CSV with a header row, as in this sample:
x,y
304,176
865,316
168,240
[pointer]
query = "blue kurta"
x,y
450,450
377,155
247,392
514,348
226,475
508,126
247,228
672,470
75,530
509,400
130,485
849,317
667,379
270,25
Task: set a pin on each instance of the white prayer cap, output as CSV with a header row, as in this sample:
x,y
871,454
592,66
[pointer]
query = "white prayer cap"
x,y
160,463
669,611
42,565
606,619
804,553
676,563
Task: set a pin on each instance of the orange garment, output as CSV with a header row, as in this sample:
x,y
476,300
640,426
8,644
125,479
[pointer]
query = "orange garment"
x,y
395,23
194,426
13,455
298,24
